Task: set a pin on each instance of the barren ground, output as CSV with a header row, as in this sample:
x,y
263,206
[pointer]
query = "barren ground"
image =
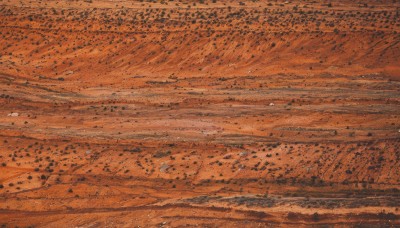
x,y
214,113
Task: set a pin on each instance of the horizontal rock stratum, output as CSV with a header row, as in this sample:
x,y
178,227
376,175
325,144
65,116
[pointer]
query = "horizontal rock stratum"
x,y
199,113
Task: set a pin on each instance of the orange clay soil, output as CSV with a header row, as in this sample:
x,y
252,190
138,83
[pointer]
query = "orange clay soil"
x,y
188,113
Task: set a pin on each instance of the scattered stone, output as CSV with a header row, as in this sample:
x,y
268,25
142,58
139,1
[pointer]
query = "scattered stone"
x,y
13,114
164,168
242,154
69,72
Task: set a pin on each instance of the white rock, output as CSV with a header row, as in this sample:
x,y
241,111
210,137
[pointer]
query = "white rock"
x,y
13,114
271,104
69,72
164,168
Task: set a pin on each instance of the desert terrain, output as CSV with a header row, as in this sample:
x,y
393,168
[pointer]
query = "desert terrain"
x,y
211,113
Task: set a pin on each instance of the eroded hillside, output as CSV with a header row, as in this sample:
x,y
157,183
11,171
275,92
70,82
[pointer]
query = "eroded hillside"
x,y
214,113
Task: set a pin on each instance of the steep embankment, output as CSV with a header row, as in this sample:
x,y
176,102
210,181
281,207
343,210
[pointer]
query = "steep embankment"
x,y
111,44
